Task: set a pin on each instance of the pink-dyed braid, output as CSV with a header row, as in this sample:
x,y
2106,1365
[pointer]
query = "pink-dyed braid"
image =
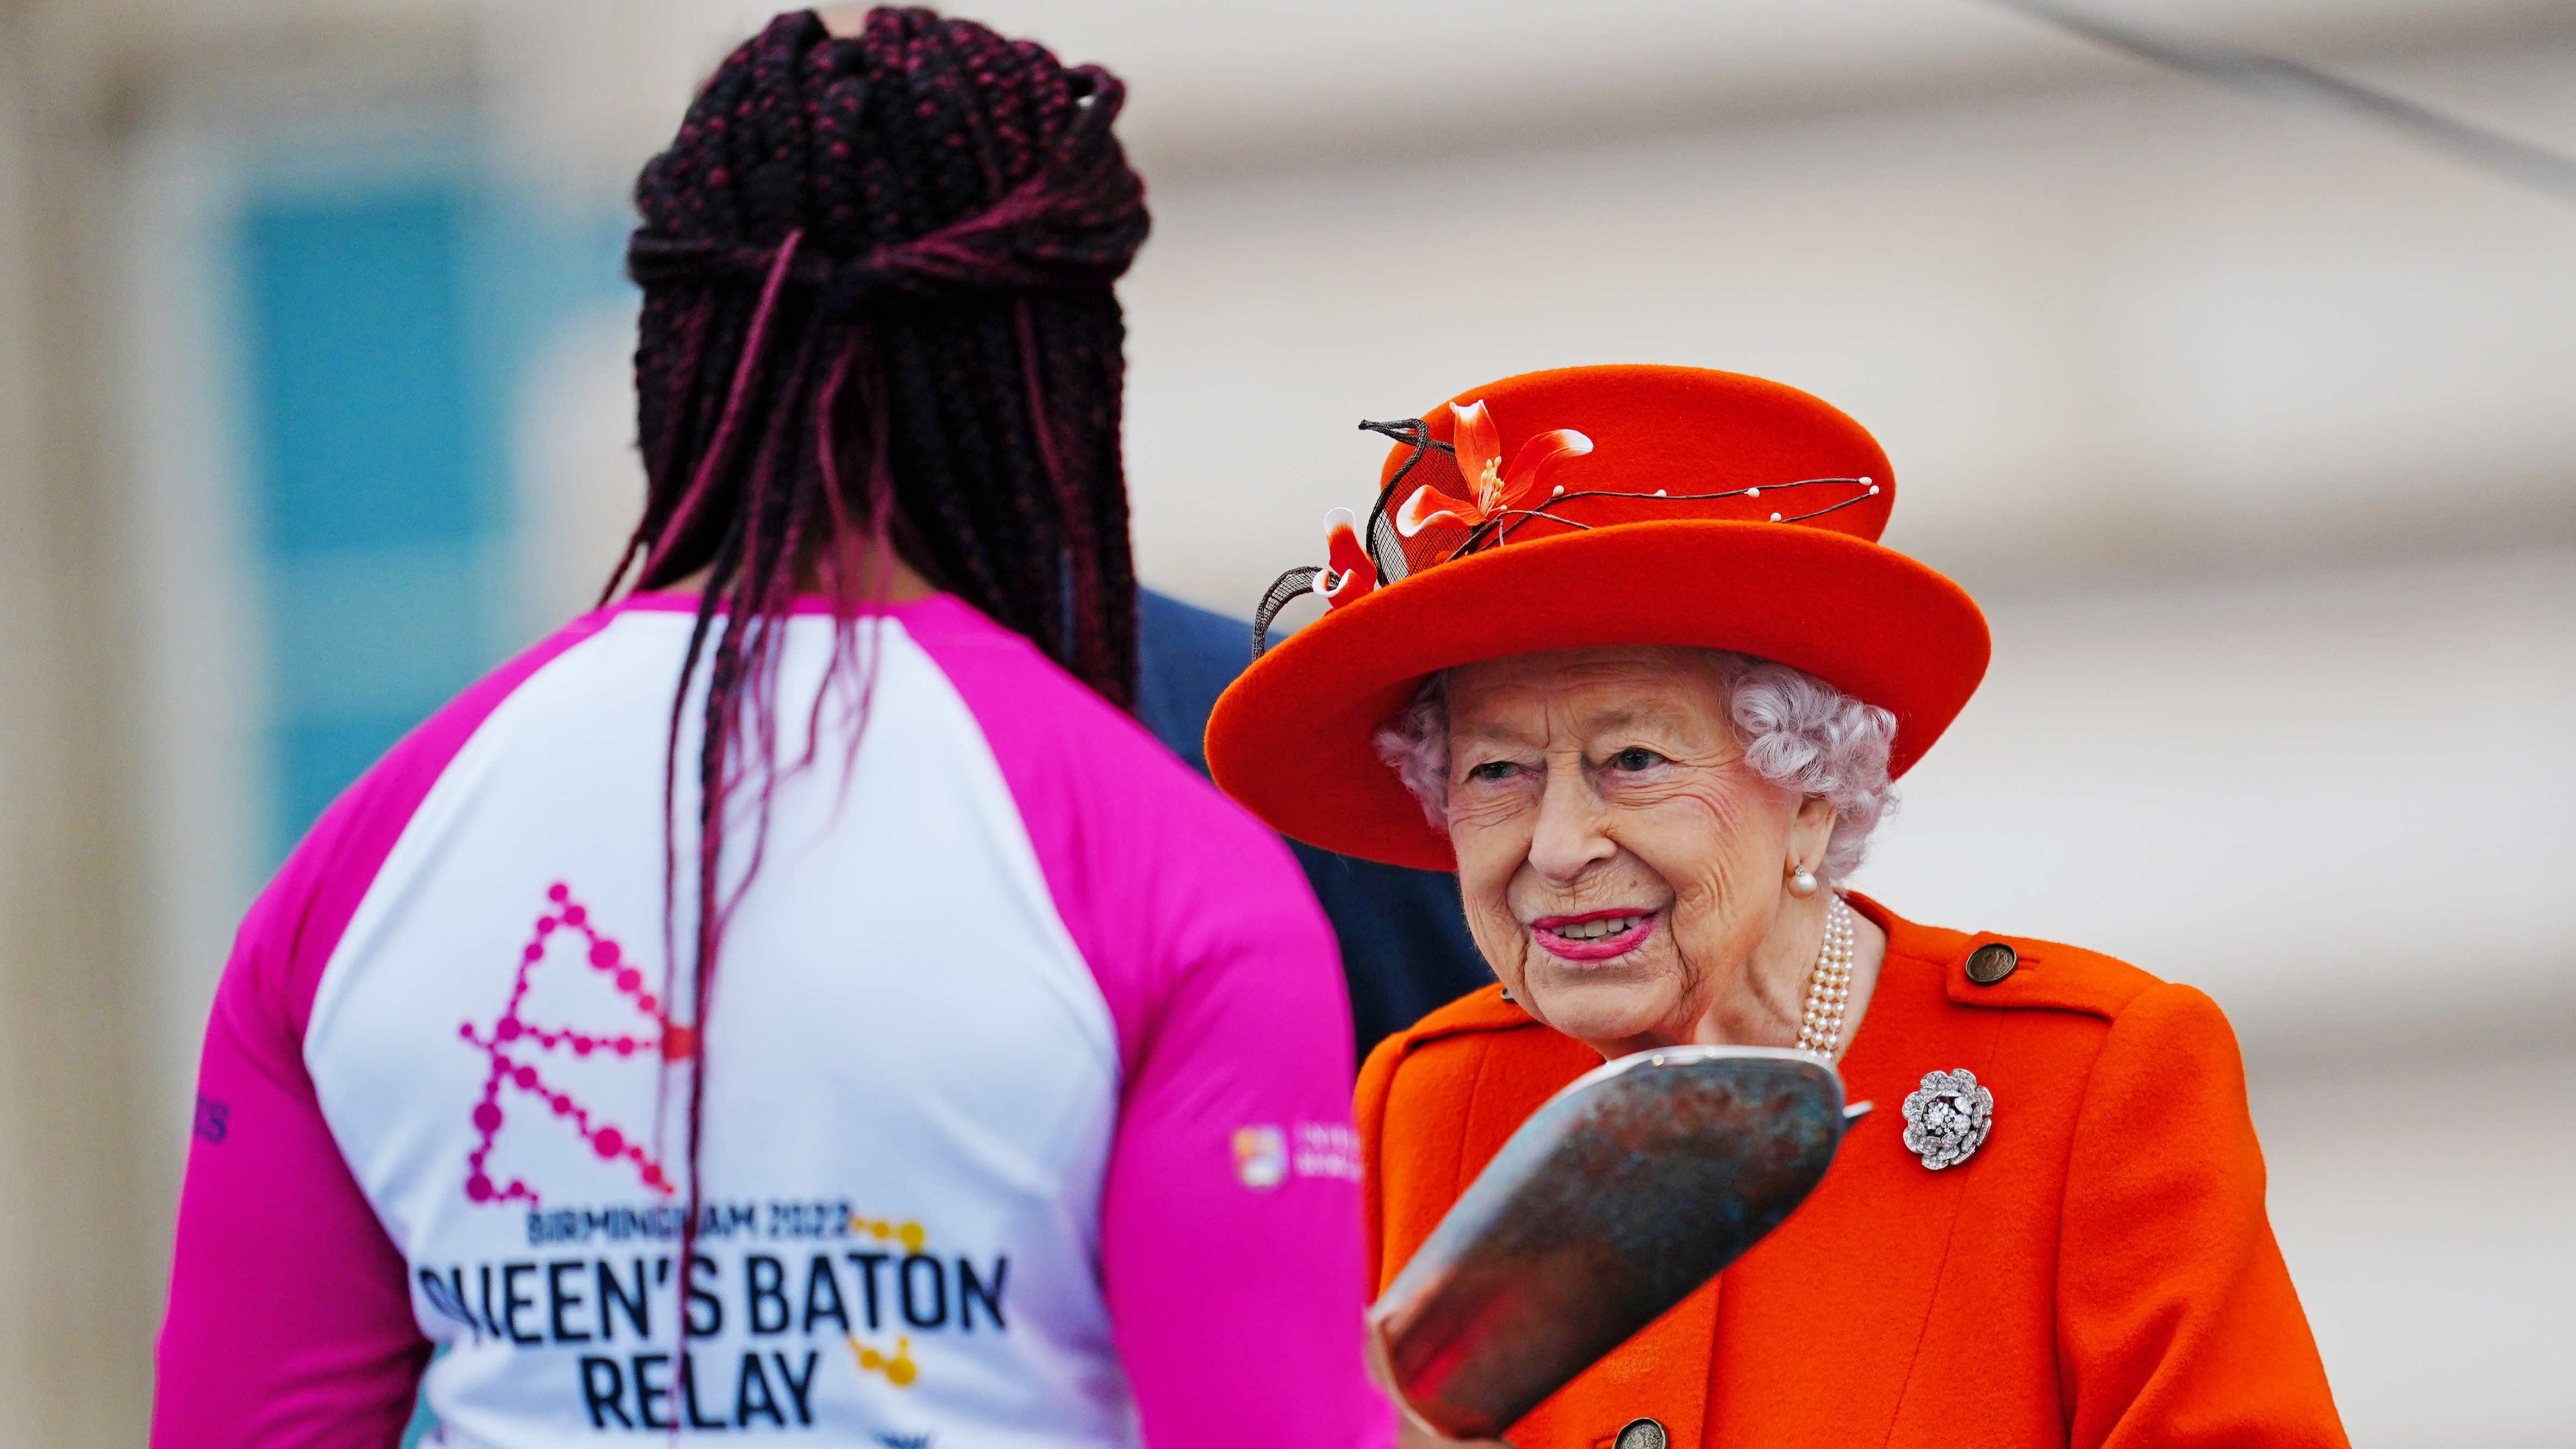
x,y
877,322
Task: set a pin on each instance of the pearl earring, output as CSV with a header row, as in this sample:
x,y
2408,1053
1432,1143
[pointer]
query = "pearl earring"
x,y
1803,883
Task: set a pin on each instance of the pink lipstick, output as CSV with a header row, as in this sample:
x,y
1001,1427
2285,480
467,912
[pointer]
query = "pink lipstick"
x,y
1595,936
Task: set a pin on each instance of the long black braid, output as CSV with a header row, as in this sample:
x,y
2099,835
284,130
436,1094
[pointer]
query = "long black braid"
x,y
877,316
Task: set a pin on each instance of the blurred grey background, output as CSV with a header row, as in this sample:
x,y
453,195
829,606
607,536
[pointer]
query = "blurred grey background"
x,y
2253,428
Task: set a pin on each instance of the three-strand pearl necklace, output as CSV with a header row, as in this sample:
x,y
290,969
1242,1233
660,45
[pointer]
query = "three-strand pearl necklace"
x,y
1830,988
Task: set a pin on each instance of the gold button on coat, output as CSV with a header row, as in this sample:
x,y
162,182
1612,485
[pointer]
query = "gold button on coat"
x,y
1991,962
1642,1434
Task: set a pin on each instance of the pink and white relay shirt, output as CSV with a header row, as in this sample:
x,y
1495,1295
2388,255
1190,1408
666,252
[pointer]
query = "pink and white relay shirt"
x,y
1026,1107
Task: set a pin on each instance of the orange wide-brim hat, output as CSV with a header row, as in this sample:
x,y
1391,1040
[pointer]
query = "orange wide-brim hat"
x,y
1588,506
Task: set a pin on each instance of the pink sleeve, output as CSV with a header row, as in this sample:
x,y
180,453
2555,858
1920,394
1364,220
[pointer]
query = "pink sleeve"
x,y
1230,1238
290,1320
1230,1222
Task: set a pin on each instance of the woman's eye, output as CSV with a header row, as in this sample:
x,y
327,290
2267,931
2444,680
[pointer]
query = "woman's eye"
x,y
1492,770
1635,757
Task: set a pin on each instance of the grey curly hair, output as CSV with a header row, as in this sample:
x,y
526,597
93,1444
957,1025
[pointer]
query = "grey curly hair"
x,y
1796,730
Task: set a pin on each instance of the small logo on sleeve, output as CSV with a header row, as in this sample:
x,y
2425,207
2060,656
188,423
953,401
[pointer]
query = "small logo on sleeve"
x,y
1260,1157
1266,1156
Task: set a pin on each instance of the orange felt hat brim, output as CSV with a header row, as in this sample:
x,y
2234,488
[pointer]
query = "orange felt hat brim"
x,y
1291,739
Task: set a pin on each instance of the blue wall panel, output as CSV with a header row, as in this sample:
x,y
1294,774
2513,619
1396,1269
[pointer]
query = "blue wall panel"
x,y
389,321
375,519
364,435
388,328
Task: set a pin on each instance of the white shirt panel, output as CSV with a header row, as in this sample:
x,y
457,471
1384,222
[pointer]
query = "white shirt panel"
x,y
904,1041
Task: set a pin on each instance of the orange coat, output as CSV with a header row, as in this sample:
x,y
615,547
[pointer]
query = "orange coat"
x,y
2101,1272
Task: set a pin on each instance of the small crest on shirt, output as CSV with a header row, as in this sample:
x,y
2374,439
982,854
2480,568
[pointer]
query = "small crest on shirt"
x,y
1260,1156
1266,1156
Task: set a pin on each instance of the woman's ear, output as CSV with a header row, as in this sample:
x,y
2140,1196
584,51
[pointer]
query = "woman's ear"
x,y
1811,832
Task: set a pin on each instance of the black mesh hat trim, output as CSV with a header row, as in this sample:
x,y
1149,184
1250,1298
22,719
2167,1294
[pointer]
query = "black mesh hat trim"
x,y
1284,590
1384,544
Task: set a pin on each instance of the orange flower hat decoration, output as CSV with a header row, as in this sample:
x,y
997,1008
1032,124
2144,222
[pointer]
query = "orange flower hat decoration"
x,y
1642,505
1495,493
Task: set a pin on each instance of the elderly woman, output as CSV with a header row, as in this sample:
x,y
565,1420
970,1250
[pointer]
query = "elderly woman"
x,y
1623,649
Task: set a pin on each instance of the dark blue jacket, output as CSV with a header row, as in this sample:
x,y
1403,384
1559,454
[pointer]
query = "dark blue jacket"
x,y
1405,947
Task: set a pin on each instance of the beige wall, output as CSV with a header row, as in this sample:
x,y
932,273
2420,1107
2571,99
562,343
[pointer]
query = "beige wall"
x,y
78,1271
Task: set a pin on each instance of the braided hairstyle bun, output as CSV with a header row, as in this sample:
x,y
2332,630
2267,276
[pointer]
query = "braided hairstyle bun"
x,y
950,208
877,316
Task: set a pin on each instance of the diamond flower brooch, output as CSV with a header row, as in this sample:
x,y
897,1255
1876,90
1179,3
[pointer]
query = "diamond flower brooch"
x,y
1947,1120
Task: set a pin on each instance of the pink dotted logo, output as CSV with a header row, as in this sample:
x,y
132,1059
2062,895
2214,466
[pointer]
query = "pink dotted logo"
x,y
519,1050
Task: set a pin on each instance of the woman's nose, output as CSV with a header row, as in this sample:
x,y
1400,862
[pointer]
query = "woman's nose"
x,y
1568,838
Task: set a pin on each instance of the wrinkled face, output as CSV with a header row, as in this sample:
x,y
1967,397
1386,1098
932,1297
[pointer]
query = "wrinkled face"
x,y
1618,859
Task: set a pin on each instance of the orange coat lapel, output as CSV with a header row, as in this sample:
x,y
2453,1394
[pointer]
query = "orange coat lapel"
x,y
1822,1324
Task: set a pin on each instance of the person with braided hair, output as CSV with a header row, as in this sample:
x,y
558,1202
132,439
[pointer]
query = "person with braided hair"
x,y
797,996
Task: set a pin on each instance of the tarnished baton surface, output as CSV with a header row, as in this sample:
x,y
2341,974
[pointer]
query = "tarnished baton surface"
x,y
1615,1201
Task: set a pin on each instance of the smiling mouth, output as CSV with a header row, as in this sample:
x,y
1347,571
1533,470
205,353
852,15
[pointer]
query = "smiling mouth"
x,y
1596,937
1595,930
